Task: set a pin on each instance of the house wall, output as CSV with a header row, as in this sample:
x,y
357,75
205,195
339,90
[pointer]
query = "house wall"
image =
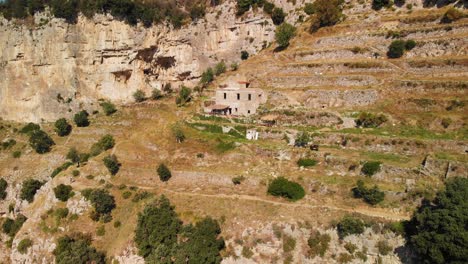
x,y
239,101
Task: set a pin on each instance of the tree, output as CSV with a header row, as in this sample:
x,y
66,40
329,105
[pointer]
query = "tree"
x,y
139,96
438,230
410,44
108,108
220,68
112,164
369,120
105,143
29,128
371,196
178,133
309,9
102,201
302,139
185,95
40,141
285,188
81,119
157,230
164,172
278,16
350,225
207,77
3,187
326,13
73,155
396,49
63,192
23,245
62,127
65,9
379,4
284,33
244,55
29,189
76,248
156,94
11,227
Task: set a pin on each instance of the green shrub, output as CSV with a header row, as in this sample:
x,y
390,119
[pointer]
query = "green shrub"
x,y
350,247
81,119
396,49
247,252
289,243
29,189
117,224
185,95
437,231
112,164
139,96
344,258
318,244
63,192
141,195
384,248
105,143
102,201
101,231
410,44
3,188
371,167
207,77
77,248
108,108
61,213
156,94
164,172
23,245
16,154
369,120
283,34
305,162
309,8
371,196
326,13
350,226
238,180
40,141
278,16
62,127
285,188
126,194
302,139
379,4
62,167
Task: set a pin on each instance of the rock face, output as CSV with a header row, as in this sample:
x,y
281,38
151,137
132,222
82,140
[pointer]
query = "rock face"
x,y
51,69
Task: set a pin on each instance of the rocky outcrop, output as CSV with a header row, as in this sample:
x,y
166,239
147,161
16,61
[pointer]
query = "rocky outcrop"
x,y
51,69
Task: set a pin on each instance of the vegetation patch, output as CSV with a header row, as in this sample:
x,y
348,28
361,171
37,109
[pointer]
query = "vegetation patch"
x,y
371,167
285,188
306,162
371,196
350,226
77,248
61,168
63,192
318,244
23,245
29,189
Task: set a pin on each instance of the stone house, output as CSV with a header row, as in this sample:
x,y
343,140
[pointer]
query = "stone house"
x,y
236,99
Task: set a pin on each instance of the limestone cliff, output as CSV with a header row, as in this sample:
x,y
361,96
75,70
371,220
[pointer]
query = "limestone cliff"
x,y
51,69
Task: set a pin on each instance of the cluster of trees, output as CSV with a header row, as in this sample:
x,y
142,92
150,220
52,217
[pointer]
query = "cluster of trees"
x,y
63,192
325,13
161,237
39,140
12,226
77,248
286,188
371,196
29,189
112,164
398,47
277,14
131,11
349,225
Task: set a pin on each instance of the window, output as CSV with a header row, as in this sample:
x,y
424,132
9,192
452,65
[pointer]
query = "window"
x,y
236,109
248,111
250,97
225,96
238,96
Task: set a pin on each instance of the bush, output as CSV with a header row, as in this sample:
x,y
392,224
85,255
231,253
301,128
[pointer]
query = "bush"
x,y
370,168
384,247
283,34
318,244
289,243
117,224
108,108
238,180
101,231
278,16
29,128
16,154
178,133
29,189
156,94
309,9
207,77
302,139
11,227
112,164
327,13
244,55
452,15
23,245
285,188
234,66
369,120
220,68
81,119
3,188
371,196
437,230
105,143
62,167
126,194
379,4
62,127
139,96
164,172
40,141
76,248
350,226
61,213
410,44
446,122
63,192
304,162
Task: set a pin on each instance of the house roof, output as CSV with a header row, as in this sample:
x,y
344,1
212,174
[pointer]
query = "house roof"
x,y
218,107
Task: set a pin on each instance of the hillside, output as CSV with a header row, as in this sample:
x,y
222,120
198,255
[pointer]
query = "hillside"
x,y
321,86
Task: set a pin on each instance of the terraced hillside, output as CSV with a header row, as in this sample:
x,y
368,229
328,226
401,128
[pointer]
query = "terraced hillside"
x,y
319,86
